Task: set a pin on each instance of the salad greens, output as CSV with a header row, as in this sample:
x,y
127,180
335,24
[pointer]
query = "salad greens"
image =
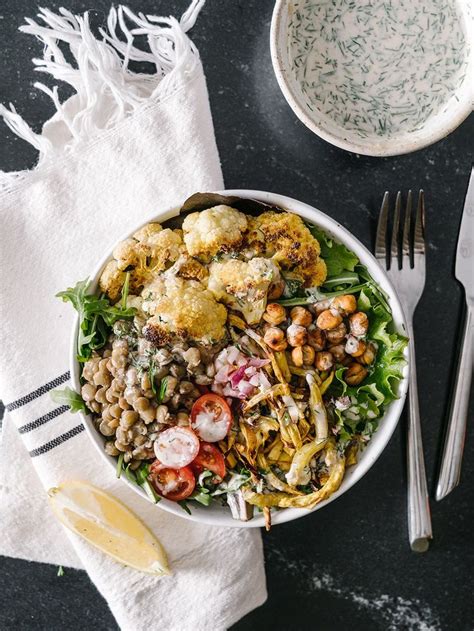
x,y
138,477
96,316
358,408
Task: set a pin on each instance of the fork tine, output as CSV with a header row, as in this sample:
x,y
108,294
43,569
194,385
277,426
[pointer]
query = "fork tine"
x,y
394,246
381,238
406,243
419,235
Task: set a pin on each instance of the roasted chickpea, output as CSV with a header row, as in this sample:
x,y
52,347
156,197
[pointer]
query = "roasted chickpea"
x,y
317,339
296,335
359,323
328,319
335,336
319,307
324,360
361,349
345,304
275,338
355,374
276,290
355,347
301,316
274,313
368,357
338,352
302,355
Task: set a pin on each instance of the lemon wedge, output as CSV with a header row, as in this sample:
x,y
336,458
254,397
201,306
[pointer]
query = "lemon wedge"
x,y
109,525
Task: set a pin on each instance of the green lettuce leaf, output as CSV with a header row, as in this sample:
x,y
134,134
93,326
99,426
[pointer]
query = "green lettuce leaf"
x,y
365,404
336,256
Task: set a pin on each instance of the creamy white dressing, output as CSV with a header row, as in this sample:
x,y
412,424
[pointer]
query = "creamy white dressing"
x,y
176,447
208,428
377,67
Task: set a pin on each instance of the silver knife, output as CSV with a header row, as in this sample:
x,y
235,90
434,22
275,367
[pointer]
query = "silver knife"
x,y
450,471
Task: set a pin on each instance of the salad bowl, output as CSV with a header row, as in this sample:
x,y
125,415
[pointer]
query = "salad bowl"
x,y
216,514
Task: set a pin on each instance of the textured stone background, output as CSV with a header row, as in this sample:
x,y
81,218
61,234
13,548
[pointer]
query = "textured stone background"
x,y
349,564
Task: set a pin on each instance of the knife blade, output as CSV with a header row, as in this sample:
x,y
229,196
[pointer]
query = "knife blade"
x,y
450,471
465,252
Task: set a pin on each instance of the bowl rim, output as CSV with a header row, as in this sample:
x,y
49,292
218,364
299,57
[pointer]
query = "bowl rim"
x,y
387,424
405,145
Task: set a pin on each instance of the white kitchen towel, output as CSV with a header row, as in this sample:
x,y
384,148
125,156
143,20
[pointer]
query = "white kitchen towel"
x,y
125,146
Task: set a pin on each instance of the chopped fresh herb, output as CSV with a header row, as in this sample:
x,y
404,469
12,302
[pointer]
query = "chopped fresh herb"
x,y
60,571
68,396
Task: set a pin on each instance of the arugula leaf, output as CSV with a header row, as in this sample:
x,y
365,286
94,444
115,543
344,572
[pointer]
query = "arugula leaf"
x,y
342,279
129,474
96,316
69,397
313,294
337,257
125,291
141,475
184,506
202,496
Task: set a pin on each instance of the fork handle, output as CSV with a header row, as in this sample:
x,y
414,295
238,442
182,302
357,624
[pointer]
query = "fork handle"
x,y
419,517
450,470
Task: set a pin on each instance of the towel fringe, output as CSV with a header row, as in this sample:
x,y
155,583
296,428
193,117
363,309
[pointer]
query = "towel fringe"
x,y
106,90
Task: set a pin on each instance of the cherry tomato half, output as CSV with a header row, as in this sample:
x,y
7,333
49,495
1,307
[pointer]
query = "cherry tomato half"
x,y
174,484
176,447
211,417
209,457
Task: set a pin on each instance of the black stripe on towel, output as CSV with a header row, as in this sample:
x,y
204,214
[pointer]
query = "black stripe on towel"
x,y
37,393
39,451
43,419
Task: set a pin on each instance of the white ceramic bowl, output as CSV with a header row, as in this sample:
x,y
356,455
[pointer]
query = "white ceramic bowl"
x,y
221,516
435,128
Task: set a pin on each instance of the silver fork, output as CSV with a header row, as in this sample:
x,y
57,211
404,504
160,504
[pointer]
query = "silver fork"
x,y
405,263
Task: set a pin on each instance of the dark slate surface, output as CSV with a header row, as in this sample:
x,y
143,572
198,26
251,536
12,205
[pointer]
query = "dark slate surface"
x,y
349,564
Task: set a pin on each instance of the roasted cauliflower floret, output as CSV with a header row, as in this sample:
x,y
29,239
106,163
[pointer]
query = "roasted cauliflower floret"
x,y
214,230
285,238
243,285
111,280
150,251
191,268
184,308
147,231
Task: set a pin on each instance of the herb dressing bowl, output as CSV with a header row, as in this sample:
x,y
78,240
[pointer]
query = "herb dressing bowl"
x,y
216,514
449,113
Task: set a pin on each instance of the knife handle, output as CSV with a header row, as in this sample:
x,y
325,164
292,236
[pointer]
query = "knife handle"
x,y
450,471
